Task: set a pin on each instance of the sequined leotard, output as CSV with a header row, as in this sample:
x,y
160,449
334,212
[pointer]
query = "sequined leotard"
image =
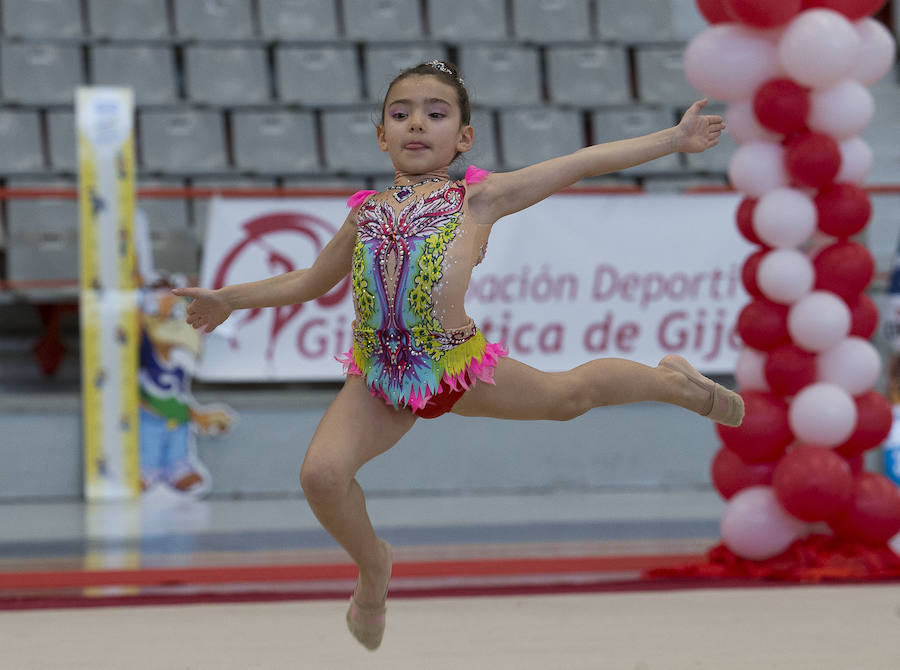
x,y
414,254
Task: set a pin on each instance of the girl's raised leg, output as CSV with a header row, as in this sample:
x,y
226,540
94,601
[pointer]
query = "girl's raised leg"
x,y
356,428
523,392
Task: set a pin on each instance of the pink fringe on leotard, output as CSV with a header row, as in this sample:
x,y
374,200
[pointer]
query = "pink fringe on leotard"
x,y
359,198
475,175
478,369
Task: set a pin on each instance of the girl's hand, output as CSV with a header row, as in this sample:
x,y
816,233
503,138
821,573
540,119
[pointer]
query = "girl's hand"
x,y
208,308
698,133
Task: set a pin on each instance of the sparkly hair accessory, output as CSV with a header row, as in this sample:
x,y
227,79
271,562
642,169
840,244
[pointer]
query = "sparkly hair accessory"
x,y
439,65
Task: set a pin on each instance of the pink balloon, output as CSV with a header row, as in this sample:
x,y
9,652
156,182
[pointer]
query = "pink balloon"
x,y
784,217
754,526
843,110
757,167
785,275
819,47
743,126
728,62
749,370
856,161
876,55
818,321
823,414
853,364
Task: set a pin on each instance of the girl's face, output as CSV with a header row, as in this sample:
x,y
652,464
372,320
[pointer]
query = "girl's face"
x,y
421,127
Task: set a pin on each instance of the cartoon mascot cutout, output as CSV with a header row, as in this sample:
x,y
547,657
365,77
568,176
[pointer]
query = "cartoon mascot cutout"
x,y
170,416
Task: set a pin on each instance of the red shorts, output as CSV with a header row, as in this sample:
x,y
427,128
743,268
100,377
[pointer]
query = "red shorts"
x,y
440,403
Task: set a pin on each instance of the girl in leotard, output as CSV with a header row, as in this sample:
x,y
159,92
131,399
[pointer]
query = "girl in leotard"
x,y
411,249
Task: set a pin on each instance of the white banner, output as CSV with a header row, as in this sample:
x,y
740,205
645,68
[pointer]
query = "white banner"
x,y
572,278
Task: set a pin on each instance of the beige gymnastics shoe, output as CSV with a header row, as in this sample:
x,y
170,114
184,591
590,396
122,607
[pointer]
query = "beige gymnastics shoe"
x,y
725,406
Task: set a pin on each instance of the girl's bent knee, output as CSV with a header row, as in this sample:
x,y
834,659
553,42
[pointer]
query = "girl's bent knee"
x,y
321,481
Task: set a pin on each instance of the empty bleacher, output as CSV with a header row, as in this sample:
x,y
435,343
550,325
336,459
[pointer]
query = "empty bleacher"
x,y
286,92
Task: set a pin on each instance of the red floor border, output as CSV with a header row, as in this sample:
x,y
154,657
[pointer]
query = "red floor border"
x,y
12,581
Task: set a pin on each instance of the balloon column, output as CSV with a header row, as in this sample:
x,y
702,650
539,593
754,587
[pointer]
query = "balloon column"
x,y
794,74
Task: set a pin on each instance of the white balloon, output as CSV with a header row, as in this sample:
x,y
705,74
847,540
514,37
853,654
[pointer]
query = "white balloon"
x,y
784,217
819,47
749,371
785,275
756,527
757,167
823,414
818,321
729,62
856,161
876,53
743,126
841,110
853,364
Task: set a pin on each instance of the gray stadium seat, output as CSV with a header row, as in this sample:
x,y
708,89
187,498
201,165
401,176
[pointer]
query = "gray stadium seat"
x,y
661,78
484,150
226,75
612,125
298,19
467,20
274,141
383,63
43,234
551,20
687,21
501,75
20,142
174,243
318,75
61,136
40,73
350,143
715,159
135,19
200,206
182,141
214,19
148,70
532,135
882,133
42,18
398,20
639,21
588,75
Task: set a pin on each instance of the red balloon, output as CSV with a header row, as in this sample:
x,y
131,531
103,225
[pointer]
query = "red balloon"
x,y
845,268
857,464
781,105
762,324
788,368
764,434
812,159
843,209
713,10
748,273
763,13
745,221
874,418
873,515
813,483
852,9
730,474
864,316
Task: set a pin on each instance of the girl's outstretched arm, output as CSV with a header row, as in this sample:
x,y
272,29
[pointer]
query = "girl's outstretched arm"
x,y
210,308
507,192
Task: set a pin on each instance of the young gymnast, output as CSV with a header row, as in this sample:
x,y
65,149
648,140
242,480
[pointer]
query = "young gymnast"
x,y
411,249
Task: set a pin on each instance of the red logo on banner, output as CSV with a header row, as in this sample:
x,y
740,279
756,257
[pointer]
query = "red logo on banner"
x,y
258,234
